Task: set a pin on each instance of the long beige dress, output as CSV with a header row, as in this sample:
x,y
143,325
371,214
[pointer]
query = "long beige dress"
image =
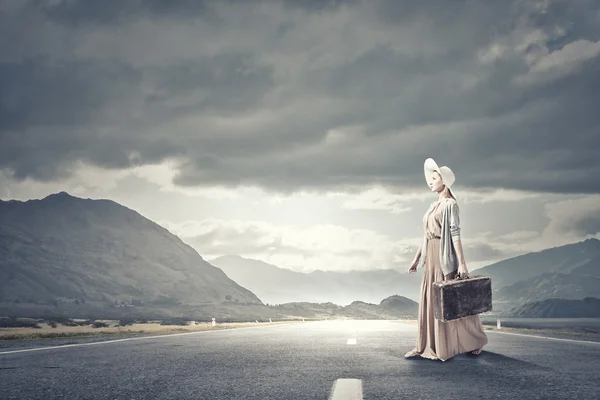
x,y
437,339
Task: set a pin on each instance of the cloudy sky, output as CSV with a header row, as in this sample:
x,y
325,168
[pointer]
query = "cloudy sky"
x,y
295,131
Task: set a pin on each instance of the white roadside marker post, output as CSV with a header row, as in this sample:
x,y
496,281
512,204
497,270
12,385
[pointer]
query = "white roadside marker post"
x,y
214,323
498,326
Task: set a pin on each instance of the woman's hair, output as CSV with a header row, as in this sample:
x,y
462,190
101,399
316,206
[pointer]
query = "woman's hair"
x,y
448,193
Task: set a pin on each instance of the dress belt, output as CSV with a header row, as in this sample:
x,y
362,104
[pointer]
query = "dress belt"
x,y
430,236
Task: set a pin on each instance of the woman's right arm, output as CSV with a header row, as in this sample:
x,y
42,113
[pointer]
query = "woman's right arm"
x,y
417,256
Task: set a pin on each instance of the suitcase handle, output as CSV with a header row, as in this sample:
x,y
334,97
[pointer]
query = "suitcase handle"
x,y
461,277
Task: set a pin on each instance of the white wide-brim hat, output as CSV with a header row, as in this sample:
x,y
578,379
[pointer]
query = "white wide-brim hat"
x,y
446,173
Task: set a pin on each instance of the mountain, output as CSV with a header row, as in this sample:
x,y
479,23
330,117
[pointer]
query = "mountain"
x,y
561,259
270,283
276,285
588,307
65,249
582,281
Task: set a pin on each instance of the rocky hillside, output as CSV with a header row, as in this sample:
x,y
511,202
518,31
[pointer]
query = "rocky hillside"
x,y
64,249
580,282
561,259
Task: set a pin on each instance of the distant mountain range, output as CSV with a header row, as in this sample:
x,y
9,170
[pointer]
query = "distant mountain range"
x,y
64,254
570,272
276,285
393,307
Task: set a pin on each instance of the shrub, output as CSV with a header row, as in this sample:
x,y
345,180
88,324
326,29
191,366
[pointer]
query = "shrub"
x,y
18,323
99,324
174,321
125,322
62,320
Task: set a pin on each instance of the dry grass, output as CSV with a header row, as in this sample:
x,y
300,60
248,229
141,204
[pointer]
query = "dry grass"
x,y
153,328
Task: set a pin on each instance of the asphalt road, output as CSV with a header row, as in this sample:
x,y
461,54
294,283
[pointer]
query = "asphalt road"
x,y
312,360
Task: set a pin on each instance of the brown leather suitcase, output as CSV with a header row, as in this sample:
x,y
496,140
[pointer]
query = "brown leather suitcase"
x,y
458,298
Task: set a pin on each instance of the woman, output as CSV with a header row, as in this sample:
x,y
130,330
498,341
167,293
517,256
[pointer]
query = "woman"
x,y
443,260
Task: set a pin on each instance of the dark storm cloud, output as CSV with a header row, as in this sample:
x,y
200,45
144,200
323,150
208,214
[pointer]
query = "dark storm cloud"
x,y
54,114
111,12
230,83
38,91
305,95
588,226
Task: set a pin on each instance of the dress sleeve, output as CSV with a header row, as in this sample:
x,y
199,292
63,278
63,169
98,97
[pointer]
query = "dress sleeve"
x,y
454,222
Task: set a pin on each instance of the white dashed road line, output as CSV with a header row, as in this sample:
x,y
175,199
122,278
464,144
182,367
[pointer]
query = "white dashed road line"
x,y
346,389
351,341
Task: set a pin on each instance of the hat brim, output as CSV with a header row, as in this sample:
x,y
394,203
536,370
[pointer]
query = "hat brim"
x,y
430,167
